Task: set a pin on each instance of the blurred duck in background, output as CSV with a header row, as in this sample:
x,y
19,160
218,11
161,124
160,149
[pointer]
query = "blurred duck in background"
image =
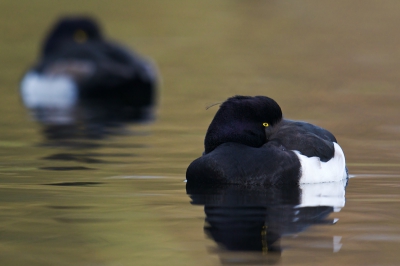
x,y
84,87
77,64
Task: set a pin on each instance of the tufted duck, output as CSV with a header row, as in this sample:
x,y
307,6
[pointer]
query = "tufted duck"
x,y
249,143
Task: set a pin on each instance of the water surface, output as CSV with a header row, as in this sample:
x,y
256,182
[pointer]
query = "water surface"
x,y
114,194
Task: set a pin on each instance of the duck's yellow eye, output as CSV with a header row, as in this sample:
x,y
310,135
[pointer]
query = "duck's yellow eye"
x,y
80,36
265,124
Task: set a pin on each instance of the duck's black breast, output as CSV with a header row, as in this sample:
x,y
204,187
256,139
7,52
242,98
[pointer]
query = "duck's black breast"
x,y
308,139
234,163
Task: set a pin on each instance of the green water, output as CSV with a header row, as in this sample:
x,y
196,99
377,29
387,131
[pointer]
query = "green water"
x,y
332,63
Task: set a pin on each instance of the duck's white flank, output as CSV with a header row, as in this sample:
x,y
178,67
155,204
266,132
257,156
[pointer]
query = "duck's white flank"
x,y
41,91
315,171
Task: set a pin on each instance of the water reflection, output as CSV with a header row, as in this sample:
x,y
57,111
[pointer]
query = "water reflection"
x,y
83,126
248,223
89,119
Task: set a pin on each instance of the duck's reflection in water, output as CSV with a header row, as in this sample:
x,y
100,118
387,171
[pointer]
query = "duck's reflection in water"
x,y
84,127
248,223
89,119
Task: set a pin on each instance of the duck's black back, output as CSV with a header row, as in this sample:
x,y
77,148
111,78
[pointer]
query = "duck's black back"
x,y
308,139
115,72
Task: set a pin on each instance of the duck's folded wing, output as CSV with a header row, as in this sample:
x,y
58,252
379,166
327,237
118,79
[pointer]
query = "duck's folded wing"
x,y
308,139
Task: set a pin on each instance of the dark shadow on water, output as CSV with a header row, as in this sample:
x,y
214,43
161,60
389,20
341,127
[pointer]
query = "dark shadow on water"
x,y
57,207
83,220
66,168
248,223
74,184
72,157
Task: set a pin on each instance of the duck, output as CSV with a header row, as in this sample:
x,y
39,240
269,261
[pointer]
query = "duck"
x,y
77,62
248,142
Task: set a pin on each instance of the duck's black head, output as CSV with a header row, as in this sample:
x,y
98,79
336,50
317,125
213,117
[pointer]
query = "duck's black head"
x,y
242,119
71,29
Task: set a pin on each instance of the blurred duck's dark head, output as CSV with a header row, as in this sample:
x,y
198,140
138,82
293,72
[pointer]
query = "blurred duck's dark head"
x,y
243,119
71,30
